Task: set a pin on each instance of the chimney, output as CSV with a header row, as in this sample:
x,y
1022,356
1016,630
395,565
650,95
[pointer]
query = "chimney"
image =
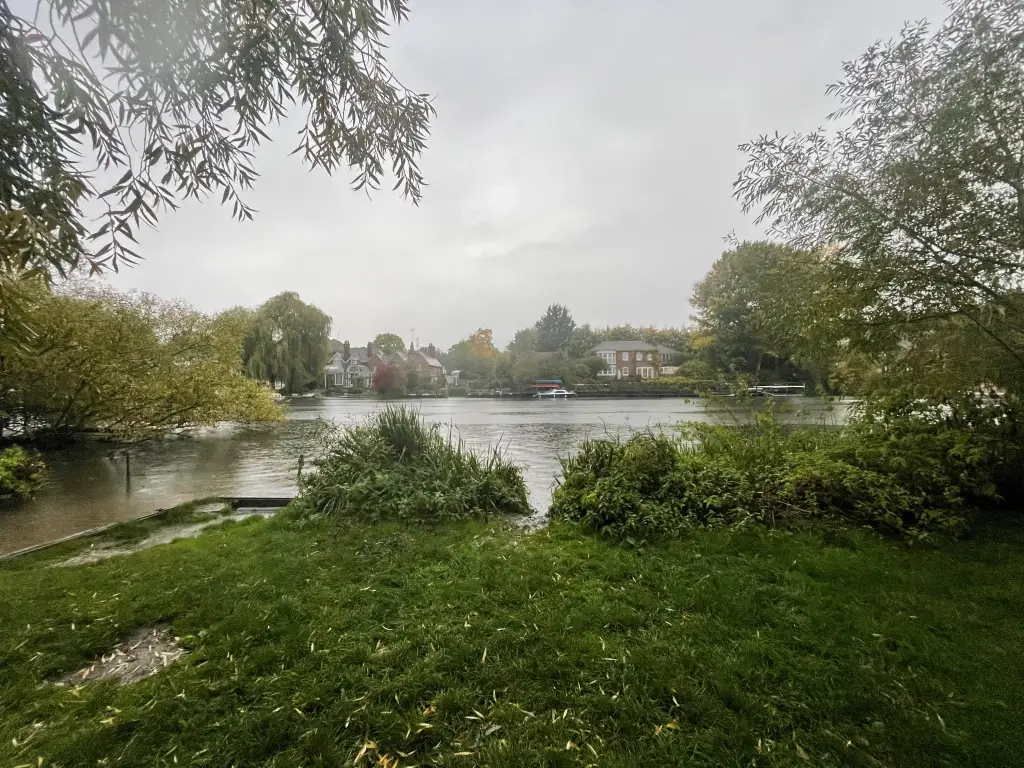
x,y
432,350
369,349
346,350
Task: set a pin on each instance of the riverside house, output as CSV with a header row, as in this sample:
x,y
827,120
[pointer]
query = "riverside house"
x,y
626,359
352,367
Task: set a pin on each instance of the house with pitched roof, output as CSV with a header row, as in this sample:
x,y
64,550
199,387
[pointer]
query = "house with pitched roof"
x,y
352,367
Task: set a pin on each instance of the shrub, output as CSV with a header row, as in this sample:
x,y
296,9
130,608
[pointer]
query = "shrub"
x,y
397,467
21,474
910,469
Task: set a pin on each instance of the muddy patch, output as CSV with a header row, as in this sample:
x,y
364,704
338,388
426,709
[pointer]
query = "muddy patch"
x,y
142,654
165,535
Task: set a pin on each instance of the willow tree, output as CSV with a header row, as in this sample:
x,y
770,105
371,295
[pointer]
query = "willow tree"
x,y
125,109
288,343
917,194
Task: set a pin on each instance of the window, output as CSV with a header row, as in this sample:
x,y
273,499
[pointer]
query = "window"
x,y
665,358
645,372
625,355
650,356
624,372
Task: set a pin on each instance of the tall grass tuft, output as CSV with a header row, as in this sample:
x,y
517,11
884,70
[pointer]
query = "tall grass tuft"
x,y
395,466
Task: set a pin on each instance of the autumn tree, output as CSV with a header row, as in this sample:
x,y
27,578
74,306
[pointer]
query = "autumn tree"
x,y
389,379
481,344
288,343
129,108
130,365
474,356
916,194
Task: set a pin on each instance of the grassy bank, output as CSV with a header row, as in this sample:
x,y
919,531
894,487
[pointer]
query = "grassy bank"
x,y
473,644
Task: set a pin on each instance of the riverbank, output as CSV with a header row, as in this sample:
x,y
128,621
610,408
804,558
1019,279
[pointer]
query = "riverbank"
x,y
87,487
315,641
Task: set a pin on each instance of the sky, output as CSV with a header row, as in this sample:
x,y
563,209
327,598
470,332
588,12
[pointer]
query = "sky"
x,y
583,153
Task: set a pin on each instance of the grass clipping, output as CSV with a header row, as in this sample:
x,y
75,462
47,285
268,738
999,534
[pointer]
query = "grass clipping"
x,y
395,466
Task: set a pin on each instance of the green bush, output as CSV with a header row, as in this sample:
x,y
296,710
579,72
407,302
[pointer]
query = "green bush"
x,y
910,468
21,474
397,467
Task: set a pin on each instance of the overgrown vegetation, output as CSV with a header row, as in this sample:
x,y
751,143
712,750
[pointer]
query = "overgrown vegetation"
x,y
398,467
898,466
21,474
129,365
315,640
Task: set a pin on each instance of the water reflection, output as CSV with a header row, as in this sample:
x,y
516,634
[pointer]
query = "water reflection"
x,y
87,486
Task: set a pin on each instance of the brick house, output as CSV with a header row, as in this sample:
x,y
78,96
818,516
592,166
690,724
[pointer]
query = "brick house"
x,y
627,359
424,361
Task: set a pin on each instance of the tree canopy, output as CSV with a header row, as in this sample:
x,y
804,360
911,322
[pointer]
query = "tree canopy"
x,y
754,309
554,329
389,343
125,109
131,365
916,202
288,343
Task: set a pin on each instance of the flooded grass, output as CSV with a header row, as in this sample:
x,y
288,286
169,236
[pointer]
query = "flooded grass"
x,y
183,521
330,642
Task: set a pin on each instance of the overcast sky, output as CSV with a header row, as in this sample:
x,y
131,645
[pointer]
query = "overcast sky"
x,y
583,153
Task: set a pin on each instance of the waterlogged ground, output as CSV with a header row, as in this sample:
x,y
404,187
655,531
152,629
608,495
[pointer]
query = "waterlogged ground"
x,y
320,643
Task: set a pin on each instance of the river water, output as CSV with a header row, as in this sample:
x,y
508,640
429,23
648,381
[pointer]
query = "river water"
x,y
87,486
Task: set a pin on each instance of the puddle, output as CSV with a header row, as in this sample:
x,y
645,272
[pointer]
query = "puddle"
x,y
142,654
165,535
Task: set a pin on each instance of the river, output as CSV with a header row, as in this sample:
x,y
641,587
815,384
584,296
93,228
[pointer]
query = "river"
x,y
86,486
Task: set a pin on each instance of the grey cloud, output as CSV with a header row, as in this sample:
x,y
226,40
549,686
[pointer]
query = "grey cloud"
x,y
583,152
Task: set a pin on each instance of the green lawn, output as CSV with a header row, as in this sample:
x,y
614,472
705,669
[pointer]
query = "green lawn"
x,y
473,644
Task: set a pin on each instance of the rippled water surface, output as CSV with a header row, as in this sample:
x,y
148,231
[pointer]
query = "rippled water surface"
x,y
87,485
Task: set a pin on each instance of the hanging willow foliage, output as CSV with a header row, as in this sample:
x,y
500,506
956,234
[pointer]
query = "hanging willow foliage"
x,y
128,108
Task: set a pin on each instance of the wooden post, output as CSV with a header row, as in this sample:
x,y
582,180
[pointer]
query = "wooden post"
x,y
127,471
298,475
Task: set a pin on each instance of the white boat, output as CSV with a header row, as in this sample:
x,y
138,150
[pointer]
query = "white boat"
x,y
552,394
777,390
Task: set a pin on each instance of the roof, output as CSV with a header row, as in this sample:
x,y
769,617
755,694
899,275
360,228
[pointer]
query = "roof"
x,y
632,346
432,361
